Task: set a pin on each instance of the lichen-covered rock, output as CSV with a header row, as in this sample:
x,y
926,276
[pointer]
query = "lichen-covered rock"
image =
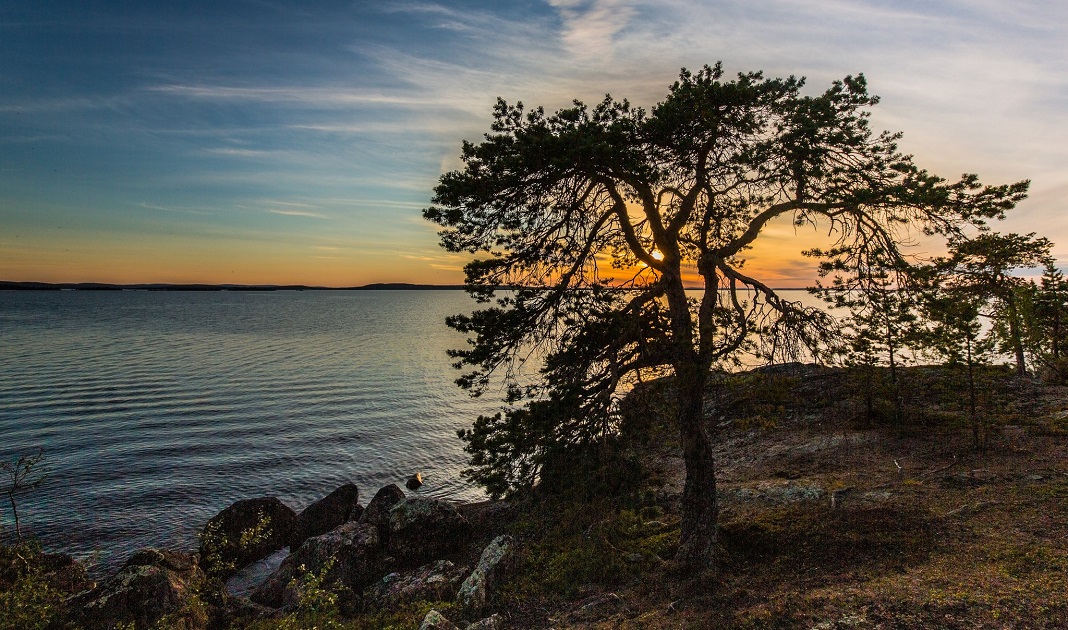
x,y
377,510
780,493
436,621
432,583
423,529
153,588
492,622
325,514
246,531
349,557
478,589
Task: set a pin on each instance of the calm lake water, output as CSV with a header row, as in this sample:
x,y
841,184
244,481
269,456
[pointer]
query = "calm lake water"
x,y
157,409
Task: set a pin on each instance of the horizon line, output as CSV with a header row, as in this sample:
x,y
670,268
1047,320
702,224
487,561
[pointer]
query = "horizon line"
x,y
14,285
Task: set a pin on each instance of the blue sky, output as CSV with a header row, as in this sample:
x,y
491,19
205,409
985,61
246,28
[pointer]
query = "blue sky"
x,y
263,141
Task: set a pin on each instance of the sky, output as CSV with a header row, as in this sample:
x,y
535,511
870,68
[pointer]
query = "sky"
x,y
269,142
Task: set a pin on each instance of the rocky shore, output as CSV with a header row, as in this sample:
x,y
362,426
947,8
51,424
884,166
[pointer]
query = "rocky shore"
x,y
259,559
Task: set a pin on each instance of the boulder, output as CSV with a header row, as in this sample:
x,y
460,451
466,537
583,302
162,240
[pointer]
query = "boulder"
x,y
414,482
325,514
153,589
436,621
348,557
377,511
250,576
246,531
423,529
478,589
431,583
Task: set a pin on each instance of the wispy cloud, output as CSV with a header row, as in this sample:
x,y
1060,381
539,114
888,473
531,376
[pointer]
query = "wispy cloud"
x,y
299,95
179,209
229,151
590,26
297,213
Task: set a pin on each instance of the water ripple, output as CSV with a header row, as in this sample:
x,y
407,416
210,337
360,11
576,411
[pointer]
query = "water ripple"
x,y
155,410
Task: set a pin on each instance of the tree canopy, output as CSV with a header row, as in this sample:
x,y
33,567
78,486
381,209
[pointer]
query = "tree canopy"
x,y
596,219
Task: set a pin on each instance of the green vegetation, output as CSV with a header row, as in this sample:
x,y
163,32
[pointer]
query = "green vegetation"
x,y
29,598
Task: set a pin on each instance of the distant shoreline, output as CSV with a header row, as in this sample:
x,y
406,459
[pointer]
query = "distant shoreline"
x,y
378,286
97,286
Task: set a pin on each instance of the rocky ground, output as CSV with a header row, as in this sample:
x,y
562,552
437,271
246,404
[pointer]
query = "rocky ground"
x,y
847,501
832,517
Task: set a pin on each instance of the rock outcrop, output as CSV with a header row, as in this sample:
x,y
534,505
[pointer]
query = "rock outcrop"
x,y
325,514
246,531
436,621
478,589
152,589
434,582
422,530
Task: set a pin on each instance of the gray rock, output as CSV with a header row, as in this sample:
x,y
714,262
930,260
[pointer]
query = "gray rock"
x,y
432,583
325,514
422,530
252,575
153,584
489,623
349,557
780,493
266,521
478,589
436,621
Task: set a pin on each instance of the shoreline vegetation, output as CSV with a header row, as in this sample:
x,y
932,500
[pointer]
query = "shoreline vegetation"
x,y
843,504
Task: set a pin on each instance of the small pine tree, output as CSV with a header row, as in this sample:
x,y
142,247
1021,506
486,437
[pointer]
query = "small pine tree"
x,y
1047,322
19,477
954,333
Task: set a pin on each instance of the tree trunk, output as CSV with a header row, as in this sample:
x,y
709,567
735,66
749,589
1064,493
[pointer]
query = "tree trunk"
x,y
15,513
1057,333
699,508
1016,339
972,415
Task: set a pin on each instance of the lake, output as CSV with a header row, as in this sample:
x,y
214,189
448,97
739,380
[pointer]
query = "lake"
x,y
156,410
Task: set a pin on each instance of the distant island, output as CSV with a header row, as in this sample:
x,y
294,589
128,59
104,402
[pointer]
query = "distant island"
x,y
377,286
96,286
